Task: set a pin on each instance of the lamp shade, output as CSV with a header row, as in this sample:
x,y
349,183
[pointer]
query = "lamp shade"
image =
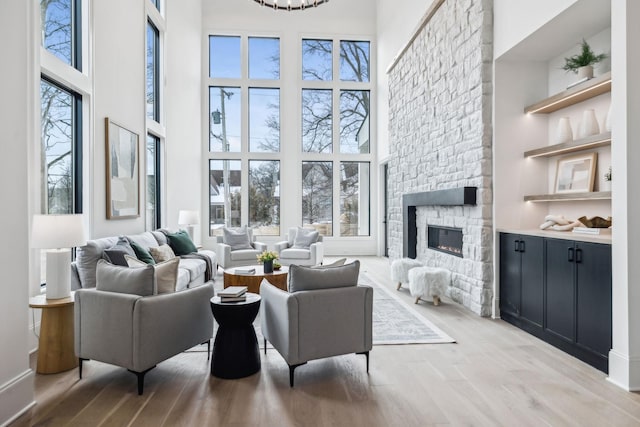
x,y
188,218
57,231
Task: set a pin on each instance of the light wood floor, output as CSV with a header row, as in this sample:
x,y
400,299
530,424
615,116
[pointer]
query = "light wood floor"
x,y
494,375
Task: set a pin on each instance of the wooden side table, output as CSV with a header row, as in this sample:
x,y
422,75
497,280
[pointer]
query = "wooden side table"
x,y
56,343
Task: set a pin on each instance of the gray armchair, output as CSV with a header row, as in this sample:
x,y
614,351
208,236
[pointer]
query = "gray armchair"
x,y
137,332
230,254
306,254
325,314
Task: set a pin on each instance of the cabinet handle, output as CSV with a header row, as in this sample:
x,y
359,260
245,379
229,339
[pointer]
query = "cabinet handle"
x,y
521,248
578,256
570,255
516,246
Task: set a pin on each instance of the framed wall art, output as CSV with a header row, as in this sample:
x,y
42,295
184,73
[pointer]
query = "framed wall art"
x,y
576,174
123,189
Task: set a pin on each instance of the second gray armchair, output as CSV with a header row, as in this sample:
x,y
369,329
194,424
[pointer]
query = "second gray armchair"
x,y
325,313
237,247
302,247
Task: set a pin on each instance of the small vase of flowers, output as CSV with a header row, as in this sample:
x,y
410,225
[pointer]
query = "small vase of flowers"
x,y
267,258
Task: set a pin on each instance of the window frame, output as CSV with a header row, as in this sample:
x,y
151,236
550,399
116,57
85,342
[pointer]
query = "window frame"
x,y
157,166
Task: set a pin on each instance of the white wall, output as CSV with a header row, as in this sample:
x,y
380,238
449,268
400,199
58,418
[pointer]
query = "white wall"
x,y
119,93
183,113
17,110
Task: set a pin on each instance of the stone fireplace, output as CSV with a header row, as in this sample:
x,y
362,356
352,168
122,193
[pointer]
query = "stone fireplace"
x,y
440,144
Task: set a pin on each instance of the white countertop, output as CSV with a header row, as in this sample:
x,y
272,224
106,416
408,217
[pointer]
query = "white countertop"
x,y
604,236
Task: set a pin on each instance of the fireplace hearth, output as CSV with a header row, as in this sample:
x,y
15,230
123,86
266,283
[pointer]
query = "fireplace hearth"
x,y
445,239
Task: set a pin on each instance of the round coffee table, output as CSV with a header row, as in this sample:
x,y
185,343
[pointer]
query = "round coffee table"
x,y
235,349
252,281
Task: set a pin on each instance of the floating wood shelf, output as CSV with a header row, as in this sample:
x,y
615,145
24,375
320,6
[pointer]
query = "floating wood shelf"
x,y
593,141
578,93
569,197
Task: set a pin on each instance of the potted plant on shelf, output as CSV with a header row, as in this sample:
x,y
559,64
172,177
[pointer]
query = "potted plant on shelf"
x,y
267,258
607,180
582,63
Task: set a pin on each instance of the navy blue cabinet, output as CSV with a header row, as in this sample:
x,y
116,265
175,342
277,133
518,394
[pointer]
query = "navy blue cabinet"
x,y
560,291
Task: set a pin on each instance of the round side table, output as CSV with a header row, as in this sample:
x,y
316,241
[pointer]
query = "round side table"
x,y
235,349
55,347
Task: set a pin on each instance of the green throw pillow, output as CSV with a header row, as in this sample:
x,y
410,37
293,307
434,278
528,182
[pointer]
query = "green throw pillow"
x,y
181,243
142,254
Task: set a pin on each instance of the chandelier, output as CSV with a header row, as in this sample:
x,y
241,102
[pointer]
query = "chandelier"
x,y
290,4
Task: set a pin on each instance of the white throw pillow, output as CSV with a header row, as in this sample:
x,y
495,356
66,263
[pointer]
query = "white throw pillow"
x,y
165,273
162,253
305,238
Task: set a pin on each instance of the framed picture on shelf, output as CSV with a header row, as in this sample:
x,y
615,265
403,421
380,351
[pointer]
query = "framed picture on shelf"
x,y
123,191
576,174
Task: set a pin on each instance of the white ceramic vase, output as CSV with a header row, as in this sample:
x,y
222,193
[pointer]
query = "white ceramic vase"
x,y
564,132
589,125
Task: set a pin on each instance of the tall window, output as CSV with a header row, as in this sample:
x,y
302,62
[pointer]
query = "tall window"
x,y
153,72
244,133
61,149
153,183
61,30
343,142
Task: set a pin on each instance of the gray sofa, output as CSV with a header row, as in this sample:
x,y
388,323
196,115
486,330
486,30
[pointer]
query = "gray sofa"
x,y
325,313
191,272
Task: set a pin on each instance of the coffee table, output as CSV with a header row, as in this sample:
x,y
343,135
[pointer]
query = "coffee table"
x,y
252,281
235,349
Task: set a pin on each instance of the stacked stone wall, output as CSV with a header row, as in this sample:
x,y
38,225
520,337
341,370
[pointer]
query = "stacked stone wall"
x,y
440,104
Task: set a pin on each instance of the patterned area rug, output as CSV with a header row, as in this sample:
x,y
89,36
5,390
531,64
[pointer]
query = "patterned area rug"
x,y
396,322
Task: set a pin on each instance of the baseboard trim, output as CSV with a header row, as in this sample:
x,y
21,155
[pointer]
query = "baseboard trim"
x,y
17,397
624,371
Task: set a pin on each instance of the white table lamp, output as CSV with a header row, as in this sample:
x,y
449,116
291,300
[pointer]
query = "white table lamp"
x,y
58,234
189,219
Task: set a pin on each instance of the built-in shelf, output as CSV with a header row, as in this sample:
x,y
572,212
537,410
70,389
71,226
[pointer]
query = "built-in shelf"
x,y
593,141
581,92
569,197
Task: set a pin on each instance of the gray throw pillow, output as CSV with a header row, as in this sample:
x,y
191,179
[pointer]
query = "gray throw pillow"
x,y
309,279
125,280
305,238
237,238
115,254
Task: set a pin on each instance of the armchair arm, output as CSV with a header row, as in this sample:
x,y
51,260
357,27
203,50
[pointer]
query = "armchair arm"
x,y
103,326
223,254
259,246
279,321
317,252
167,324
280,246
75,277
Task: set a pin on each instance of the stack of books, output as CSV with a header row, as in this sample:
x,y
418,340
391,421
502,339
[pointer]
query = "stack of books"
x,y
233,294
244,270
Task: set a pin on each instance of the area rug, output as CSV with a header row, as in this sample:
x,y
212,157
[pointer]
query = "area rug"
x,y
396,322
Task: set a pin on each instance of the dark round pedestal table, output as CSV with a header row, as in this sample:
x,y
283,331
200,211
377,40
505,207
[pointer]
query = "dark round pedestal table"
x,y
235,349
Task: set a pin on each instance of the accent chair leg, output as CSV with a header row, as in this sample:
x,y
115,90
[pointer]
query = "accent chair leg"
x,y
291,369
80,360
366,354
140,376
436,300
399,286
208,349
417,300
265,346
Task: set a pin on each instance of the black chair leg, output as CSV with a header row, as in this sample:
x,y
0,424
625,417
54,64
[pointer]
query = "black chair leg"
x,y
366,354
265,346
291,369
208,349
140,376
80,360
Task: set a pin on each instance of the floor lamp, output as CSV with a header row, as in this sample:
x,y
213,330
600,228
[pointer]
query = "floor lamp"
x,y
58,234
189,219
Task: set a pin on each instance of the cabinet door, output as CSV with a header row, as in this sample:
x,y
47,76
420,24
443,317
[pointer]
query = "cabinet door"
x,y
509,274
560,295
532,279
594,296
